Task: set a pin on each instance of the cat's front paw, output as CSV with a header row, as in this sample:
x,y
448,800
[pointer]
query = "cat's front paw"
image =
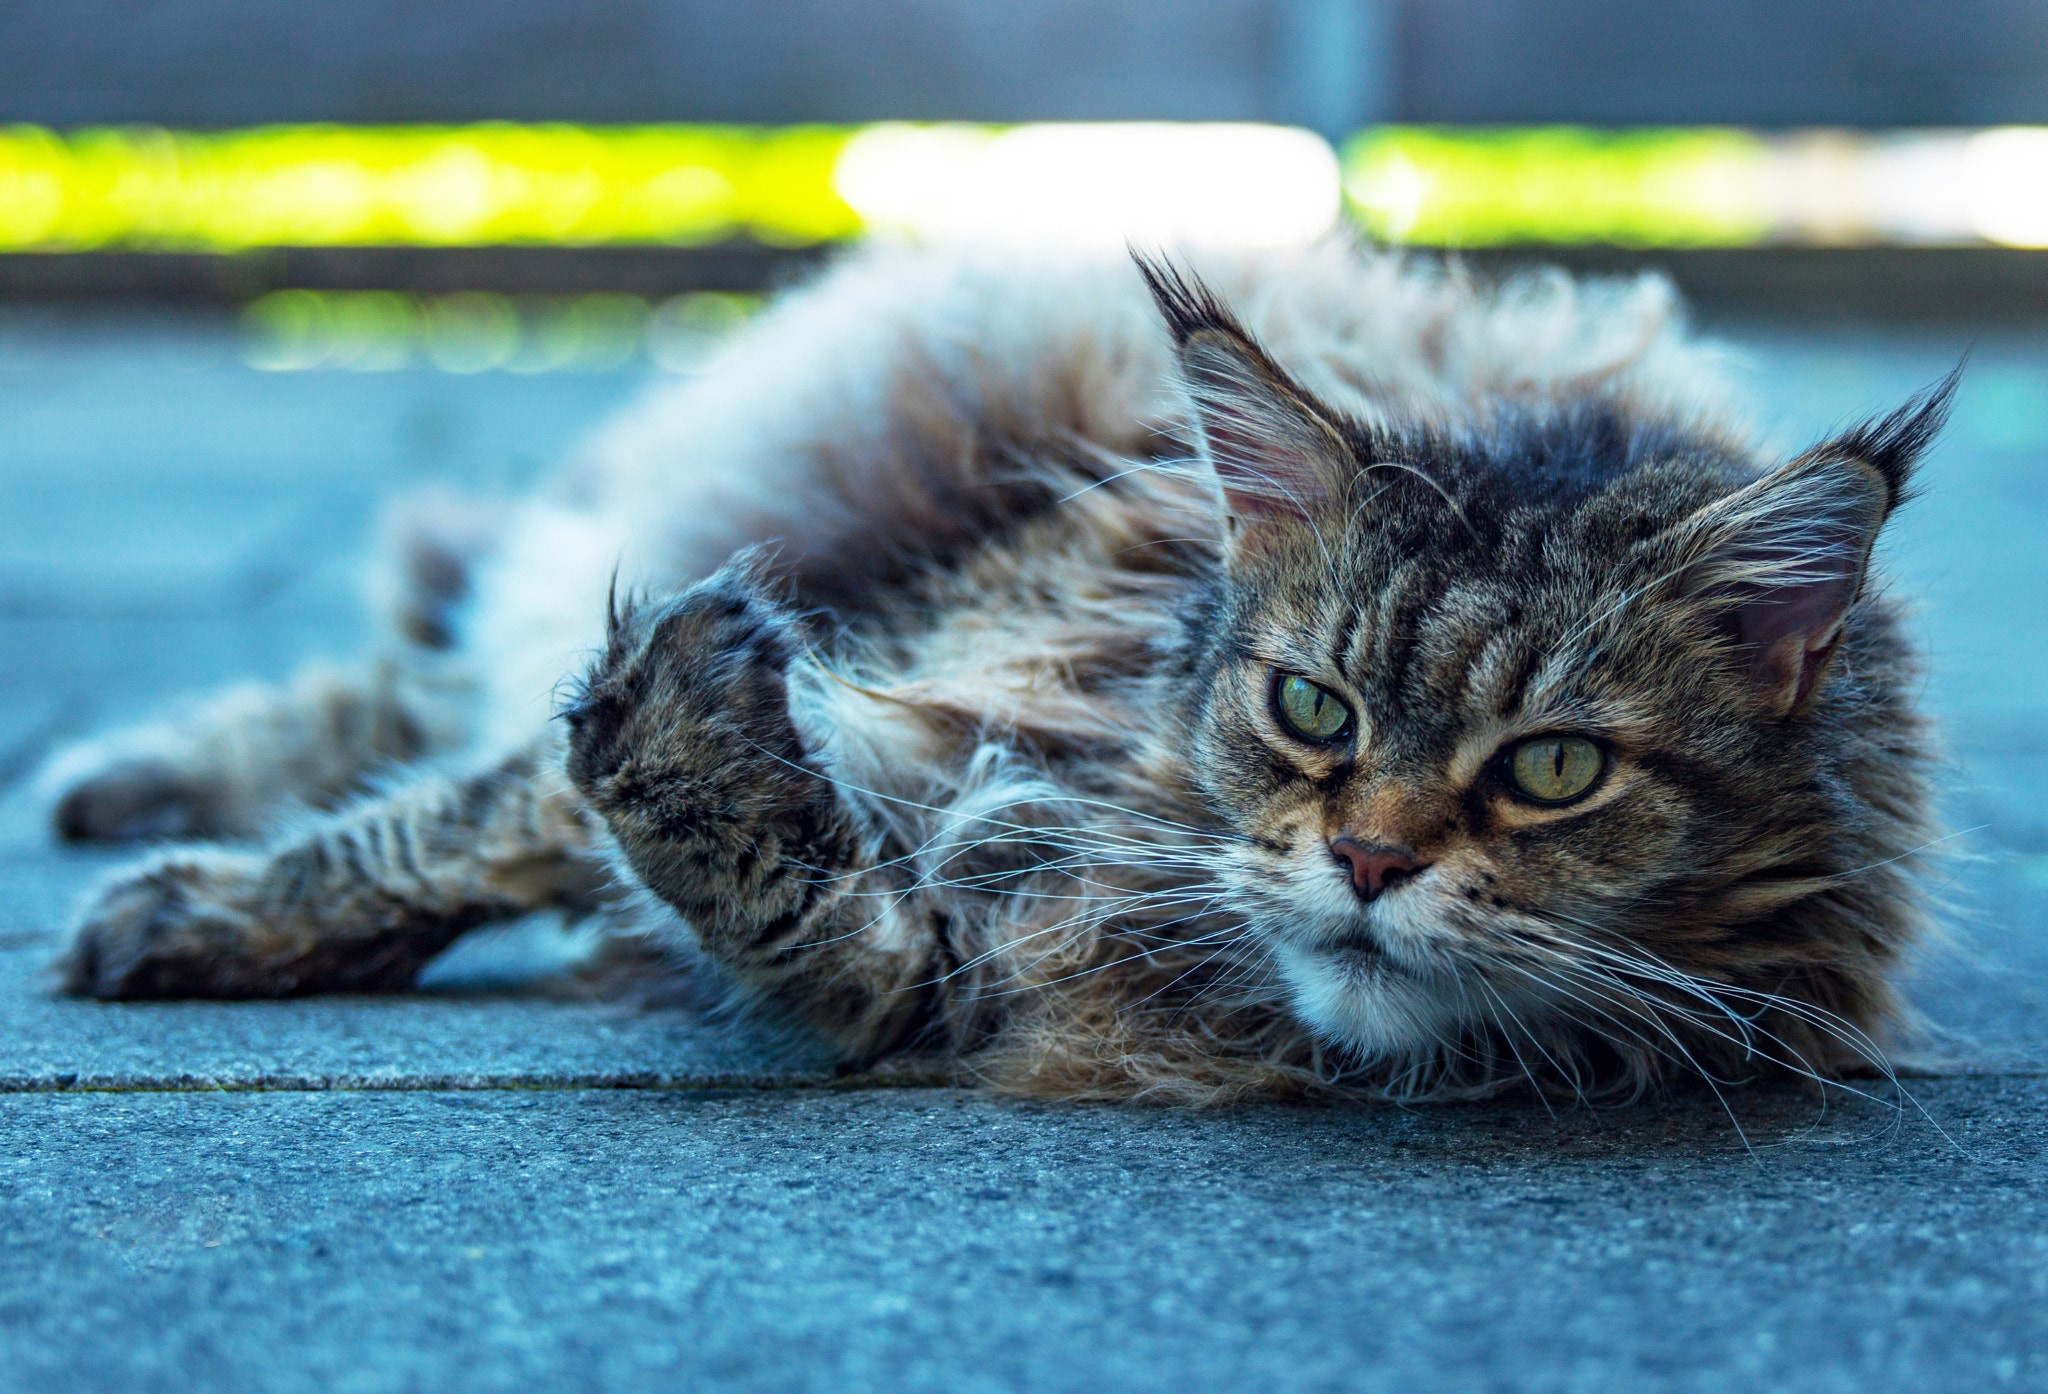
x,y
689,693
681,737
173,928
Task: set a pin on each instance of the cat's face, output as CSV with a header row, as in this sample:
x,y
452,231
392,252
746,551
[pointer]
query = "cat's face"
x,y
1519,727
1448,780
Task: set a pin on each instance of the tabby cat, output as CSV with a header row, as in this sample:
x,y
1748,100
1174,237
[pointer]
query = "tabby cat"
x,y
1330,674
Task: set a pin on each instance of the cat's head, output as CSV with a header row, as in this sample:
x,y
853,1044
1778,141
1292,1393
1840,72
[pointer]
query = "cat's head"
x,y
1557,731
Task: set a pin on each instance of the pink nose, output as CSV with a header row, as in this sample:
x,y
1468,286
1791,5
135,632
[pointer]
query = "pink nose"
x,y
1374,867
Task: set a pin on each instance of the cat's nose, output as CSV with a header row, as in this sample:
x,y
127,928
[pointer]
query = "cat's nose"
x,y
1374,866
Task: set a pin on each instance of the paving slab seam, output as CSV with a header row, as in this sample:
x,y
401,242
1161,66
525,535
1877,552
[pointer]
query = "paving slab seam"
x,y
461,1083
652,1083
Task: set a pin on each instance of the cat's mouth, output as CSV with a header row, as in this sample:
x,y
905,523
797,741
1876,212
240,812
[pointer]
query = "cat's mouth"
x,y
1358,949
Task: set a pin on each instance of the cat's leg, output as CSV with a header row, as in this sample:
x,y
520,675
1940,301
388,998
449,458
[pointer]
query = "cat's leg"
x,y
682,740
358,902
225,767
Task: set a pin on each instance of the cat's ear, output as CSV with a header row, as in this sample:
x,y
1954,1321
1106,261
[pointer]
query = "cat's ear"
x,y
1275,449
1783,559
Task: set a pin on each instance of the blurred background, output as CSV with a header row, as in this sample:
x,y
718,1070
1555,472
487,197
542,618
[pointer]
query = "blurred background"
x,y
263,263
216,149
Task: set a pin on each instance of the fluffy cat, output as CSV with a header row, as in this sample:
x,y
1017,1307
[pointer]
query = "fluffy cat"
x,y
1331,675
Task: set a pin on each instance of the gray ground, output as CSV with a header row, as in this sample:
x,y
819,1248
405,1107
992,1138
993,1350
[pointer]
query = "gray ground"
x,y
481,1187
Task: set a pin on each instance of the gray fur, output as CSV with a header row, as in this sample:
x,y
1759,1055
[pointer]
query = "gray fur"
x,y
980,761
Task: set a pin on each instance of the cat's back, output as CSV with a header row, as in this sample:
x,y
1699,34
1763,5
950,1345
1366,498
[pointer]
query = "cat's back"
x,y
901,409
896,350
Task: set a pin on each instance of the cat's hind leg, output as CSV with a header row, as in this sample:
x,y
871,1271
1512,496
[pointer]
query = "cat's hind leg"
x,y
228,765
359,901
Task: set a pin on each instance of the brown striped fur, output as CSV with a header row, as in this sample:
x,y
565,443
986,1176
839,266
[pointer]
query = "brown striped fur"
x,y
934,699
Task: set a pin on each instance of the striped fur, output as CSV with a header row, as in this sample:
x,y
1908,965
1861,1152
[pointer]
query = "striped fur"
x,y
970,752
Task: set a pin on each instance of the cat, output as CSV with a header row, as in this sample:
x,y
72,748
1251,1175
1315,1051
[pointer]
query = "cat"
x,y
1330,674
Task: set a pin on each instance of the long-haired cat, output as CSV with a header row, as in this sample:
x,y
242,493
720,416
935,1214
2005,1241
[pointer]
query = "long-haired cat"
x,y
1328,674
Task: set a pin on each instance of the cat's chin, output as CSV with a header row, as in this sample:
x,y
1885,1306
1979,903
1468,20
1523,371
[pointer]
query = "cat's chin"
x,y
1361,1001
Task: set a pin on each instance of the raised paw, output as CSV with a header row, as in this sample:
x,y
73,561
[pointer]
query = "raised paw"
x,y
174,928
681,739
685,689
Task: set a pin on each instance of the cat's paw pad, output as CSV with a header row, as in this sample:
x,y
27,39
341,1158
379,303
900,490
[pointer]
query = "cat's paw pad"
x,y
136,802
690,700
171,929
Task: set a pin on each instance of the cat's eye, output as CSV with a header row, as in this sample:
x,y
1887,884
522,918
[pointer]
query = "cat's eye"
x,y
1310,711
1555,769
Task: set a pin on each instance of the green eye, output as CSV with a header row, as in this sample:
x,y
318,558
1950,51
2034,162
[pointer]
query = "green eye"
x,y
1310,712
1555,769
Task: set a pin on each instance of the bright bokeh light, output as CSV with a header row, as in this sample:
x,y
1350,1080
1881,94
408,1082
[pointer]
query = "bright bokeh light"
x,y
1152,183
679,185
1910,188
1686,188
1096,185
372,331
417,186
2007,179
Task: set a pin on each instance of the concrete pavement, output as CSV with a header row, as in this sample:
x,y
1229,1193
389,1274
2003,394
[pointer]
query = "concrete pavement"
x,y
486,1187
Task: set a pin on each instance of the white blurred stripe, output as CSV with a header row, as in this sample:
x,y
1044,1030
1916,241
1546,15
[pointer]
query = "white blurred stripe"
x,y
2006,174
1093,185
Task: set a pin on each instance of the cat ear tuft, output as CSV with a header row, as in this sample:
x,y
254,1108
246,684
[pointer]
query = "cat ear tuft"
x,y
1274,448
1892,445
1187,305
